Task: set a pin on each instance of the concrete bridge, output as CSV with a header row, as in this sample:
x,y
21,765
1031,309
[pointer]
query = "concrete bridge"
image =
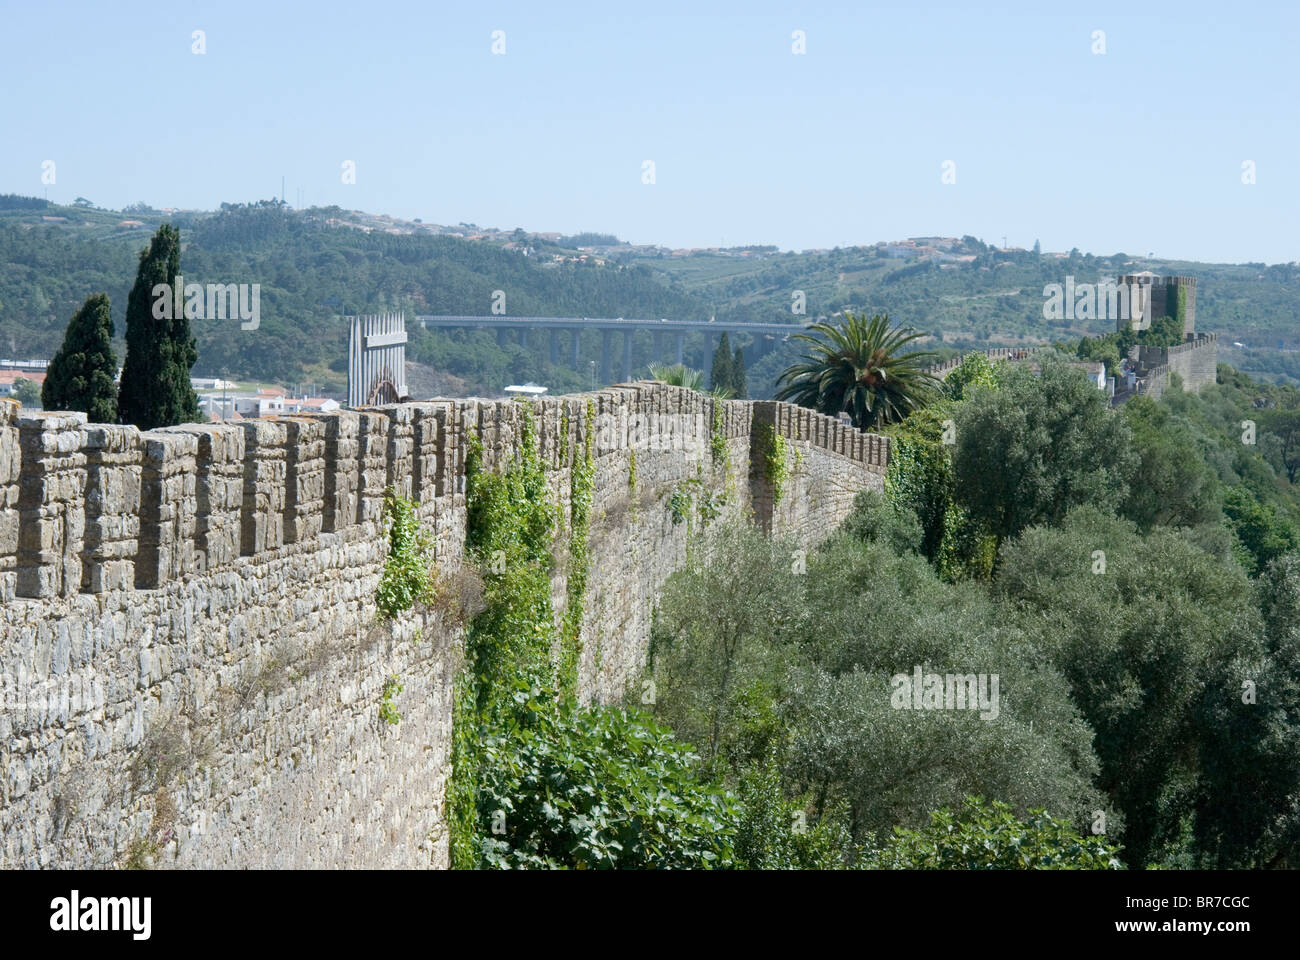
x,y
765,335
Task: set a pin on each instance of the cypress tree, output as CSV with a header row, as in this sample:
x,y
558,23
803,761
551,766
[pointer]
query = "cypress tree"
x,y
160,350
80,376
738,386
720,375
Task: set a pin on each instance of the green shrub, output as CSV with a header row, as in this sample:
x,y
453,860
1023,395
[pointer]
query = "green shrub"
x,y
920,477
875,519
776,832
388,711
975,368
565,786
1146,630
1264,534
1039,445
990,837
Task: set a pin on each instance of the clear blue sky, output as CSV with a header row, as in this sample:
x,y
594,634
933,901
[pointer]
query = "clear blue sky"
x,y
1139,149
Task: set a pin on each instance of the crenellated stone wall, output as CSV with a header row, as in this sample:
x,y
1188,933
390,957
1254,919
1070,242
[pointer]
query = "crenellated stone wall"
x,y
191,665
1196,361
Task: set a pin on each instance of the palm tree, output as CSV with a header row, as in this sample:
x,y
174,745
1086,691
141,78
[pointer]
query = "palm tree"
x,y
857,368
680,375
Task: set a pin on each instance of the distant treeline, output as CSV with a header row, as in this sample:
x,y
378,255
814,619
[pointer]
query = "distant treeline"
x,y
311,276
590,240
14,201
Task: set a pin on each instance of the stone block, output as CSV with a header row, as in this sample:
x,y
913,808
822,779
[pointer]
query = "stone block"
x,y
264,495
305,478
219,486
342,470
51,506
372,455
168,508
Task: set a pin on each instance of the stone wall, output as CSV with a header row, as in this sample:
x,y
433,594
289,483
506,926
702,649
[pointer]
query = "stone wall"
x,y
1196,362
189,647
995,354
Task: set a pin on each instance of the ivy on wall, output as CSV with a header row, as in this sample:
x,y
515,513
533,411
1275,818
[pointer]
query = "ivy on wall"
x,y
717,436
511,529
777,461
582,485
406,578
920,479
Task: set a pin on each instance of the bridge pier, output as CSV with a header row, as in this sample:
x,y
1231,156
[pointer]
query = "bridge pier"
x,y
627,356
668,341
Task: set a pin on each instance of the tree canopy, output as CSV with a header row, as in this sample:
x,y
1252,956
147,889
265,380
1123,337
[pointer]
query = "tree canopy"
x,y
160,350
858,367
81,375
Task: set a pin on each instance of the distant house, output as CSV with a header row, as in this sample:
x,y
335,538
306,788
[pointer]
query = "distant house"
x,y
1095,370
211,383
264,403
9,380
311,405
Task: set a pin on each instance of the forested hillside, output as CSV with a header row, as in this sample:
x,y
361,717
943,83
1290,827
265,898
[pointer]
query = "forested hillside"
x,y
316,266
311,275
996,299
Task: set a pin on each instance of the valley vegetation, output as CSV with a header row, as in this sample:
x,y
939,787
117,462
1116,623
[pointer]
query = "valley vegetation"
x,y
1131,576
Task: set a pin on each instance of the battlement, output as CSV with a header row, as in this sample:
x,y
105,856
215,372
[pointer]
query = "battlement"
x,y
1200,342
91,508
222,580
1195,361
1158,281
941,370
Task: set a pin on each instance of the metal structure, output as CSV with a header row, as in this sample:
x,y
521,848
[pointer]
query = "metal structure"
x,y
376,359
765,335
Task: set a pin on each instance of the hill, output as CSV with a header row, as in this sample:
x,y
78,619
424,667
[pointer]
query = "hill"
x,y
318,265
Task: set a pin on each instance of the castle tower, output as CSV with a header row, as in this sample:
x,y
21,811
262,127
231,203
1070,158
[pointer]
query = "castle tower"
x,y
1168,296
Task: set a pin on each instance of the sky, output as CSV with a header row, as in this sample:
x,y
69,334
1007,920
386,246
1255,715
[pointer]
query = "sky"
x,y
1142,148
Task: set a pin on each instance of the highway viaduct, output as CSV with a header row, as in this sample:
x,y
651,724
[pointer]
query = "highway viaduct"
x,y
766,335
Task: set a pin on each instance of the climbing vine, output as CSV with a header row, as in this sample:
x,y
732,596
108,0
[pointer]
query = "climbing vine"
x,y
405,579
511,529
680,503
776,459
717,438
582,485
388,711
694,496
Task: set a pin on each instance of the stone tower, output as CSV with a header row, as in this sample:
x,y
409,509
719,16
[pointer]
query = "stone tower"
x,y
1168,296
